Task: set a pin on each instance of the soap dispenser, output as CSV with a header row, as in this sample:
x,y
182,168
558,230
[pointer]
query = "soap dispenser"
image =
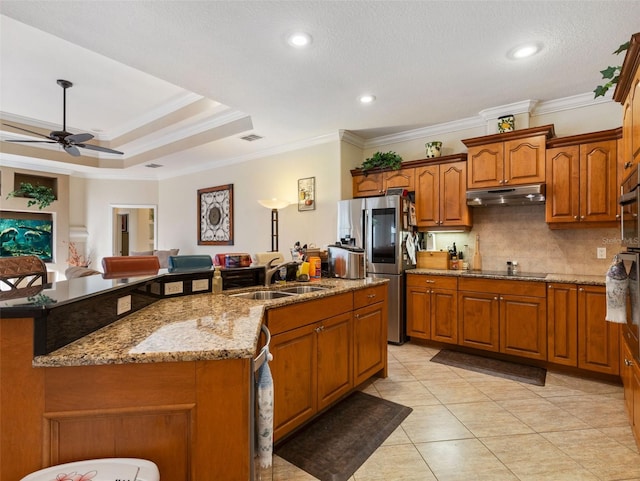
x,y
217,281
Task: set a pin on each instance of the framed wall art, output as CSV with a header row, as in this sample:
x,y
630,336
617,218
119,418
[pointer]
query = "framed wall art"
x,y
307,193
215,216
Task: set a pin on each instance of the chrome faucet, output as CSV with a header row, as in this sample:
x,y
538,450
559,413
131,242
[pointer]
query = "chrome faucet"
x,y
270,270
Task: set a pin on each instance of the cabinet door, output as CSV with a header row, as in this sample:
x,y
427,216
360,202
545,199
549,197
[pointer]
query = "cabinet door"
x,y
598,340
626,374
563,184
453,199
403,178
444,315
485,166
598,181
294,371
370,340
335,372
418,312
367,185
478,321
635,118
428,196
523,326
627,136
524,160
562,324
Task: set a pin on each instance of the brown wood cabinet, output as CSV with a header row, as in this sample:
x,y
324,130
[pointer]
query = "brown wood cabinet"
x,y
376,182
432,308
512,158
503,316
598,340
441,196
322,349
628,94
367,184
370,319
582,180
562,324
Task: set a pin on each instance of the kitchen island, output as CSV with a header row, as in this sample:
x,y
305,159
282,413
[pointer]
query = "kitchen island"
x,y
170,382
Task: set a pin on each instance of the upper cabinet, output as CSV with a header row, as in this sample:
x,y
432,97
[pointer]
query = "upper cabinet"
x,y
628,94
512,158
372,183
441,195
582,182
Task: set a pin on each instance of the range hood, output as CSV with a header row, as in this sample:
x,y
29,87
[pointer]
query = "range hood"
x,y
516,195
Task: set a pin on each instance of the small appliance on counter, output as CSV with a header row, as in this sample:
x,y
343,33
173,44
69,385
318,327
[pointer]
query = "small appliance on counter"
x,y
346,262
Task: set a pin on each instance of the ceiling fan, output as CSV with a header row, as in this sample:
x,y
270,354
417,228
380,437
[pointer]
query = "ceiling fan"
x,y
69,142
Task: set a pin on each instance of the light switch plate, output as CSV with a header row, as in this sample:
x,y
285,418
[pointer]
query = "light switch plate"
x,y
602,252
124,305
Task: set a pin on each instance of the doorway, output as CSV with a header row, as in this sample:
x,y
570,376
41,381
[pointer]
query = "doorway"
x,y
134,229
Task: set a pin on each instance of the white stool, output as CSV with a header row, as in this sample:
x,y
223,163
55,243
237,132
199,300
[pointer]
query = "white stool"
x,y
108,469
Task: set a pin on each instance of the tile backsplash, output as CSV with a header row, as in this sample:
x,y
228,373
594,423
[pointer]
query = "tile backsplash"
x,y
519,233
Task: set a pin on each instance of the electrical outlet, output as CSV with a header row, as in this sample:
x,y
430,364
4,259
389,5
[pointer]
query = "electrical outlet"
x,y
601,252
124,305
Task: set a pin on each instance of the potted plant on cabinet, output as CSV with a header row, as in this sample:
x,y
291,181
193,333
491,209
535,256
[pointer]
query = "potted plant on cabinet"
x,y
389,160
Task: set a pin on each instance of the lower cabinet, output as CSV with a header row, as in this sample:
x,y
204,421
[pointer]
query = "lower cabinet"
x,y
322,349
598,340
630,374
562,324
432,308
503,316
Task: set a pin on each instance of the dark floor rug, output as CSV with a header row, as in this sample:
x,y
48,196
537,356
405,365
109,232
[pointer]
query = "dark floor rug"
x,y
334,446
495,367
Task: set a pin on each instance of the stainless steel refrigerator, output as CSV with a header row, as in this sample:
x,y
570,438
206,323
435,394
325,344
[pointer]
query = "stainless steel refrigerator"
x,y
379,226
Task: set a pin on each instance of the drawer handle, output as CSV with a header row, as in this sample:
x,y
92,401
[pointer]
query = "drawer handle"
x,y
429,281
319,329
371,296
628,362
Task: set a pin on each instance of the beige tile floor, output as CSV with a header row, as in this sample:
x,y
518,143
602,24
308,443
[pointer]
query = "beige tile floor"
x,y
470,426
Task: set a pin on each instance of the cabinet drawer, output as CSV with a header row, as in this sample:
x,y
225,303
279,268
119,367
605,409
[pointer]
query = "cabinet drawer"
x,y
282,319
435,282
369,295
521,288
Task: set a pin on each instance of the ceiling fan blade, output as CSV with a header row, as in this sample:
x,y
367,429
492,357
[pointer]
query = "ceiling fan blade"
x,y
97,148
76,138
25,130
36,141
72,150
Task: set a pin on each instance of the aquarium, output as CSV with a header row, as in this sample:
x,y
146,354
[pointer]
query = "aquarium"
x,y
26,234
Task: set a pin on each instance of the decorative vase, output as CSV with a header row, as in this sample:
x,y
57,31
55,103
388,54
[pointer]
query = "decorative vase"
x,y
506,123
433,149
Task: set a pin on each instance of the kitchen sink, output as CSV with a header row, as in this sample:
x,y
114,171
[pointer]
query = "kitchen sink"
x,y
263,295
302,289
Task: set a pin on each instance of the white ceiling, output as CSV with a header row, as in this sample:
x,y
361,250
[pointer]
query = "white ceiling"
x,y
177,83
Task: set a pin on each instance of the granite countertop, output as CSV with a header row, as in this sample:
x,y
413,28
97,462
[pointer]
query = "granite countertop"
x,y
189,328
523,276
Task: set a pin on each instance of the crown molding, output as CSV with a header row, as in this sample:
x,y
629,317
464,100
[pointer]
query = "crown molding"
x,y
522,107
351,138
571,103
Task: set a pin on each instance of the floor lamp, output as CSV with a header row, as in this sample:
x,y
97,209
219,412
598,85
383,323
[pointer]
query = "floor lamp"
x,y
274,205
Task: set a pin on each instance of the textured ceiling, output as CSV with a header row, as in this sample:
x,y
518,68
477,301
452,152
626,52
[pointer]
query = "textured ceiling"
x,y
178,82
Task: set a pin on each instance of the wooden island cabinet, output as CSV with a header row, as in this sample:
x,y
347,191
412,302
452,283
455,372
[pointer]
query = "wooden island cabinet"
x,y
174,381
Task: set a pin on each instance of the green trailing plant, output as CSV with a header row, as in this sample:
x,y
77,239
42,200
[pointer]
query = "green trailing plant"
x,y
383,160
612,74
39,195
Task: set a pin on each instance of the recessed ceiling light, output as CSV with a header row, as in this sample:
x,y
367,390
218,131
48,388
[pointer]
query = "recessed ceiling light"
x,y
299,39
367,98
524,51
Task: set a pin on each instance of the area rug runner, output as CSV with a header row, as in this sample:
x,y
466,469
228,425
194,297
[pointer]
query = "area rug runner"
x,y
494,367
334,445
